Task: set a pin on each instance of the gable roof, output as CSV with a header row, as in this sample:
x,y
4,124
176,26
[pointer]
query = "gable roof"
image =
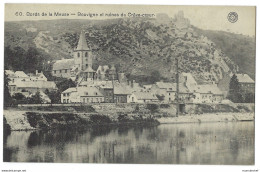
x,y
123,90
89,92
9,72
82,44
63,64
21,74
244,78
209,89
145,96
69,90
35,84
168,86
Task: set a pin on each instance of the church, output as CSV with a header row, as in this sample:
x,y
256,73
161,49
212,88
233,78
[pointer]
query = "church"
x,y
80,67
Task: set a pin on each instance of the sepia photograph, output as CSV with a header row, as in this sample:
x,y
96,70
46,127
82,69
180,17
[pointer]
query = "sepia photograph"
x,y
129,84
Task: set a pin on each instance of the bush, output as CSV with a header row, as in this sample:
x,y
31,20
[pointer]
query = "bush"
x,y
152,107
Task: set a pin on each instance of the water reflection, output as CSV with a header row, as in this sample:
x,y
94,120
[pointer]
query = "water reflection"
x,y
212,143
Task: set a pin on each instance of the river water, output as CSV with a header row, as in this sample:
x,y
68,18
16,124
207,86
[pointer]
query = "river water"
x,y
205,143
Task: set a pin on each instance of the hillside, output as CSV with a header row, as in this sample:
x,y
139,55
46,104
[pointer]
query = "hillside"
x,y
139,47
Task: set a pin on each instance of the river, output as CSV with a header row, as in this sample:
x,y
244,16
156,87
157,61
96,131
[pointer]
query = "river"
x,y
205,143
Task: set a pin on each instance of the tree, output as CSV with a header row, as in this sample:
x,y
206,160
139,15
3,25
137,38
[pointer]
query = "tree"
x,y
35,99
235,91
155,76
160,97
64,84
54,96
7,96
19,98
249,98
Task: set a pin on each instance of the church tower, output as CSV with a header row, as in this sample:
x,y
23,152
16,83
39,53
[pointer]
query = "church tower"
x,y
83,59
82,54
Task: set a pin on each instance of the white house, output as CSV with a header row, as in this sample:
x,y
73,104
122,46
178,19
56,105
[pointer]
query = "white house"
x,y
142,97
82,95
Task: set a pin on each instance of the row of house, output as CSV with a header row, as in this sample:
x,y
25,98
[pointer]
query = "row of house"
x,y
116,92
29,84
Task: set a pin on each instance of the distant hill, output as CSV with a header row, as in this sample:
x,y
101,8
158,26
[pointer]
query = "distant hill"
x,y
239,48
139,47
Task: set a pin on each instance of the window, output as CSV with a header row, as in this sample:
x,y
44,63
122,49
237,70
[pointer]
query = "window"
x,y
100,99
97,99
132,99
86,54
83,100
96,94
78,54
67,100
86,65
91,100
54,71
169,94
87,100
64,94
66,70
60,71
86,93
64,100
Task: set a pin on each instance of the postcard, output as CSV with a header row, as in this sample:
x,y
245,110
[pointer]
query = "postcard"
x,y
129,84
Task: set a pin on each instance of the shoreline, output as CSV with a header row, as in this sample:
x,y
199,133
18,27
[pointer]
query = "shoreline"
x,y
25,121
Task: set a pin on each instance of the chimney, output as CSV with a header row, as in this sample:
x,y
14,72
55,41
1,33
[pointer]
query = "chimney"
x,y
36,72
132,83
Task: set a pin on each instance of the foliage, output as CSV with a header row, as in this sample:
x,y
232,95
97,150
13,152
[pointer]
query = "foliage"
x,y
53,95
234,90
35,99
250,98
152,107
7,96
19,98
160,97
28,61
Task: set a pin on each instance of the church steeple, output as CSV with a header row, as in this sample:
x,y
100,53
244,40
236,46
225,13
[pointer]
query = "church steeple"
x,y
82,44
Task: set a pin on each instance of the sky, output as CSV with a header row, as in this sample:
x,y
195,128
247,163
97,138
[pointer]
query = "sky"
x,y
204,17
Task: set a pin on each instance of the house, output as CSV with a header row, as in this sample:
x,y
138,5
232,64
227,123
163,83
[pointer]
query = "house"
x,y
38,76
82,95
208,93
62,68
31,86
122,93
142,97
102,72
168,91
246,83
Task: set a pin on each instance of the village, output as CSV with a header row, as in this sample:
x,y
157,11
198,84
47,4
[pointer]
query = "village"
x,y
106,85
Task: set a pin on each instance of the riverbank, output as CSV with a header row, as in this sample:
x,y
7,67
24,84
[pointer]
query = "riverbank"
x,y
23,120
218,117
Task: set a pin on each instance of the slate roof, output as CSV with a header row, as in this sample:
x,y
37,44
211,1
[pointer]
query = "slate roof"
x,y
21,74
89,69
213,88
63,64
145,96
69,90
89,92
123,90
9,72
244,78
35,84
82,44
168,86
